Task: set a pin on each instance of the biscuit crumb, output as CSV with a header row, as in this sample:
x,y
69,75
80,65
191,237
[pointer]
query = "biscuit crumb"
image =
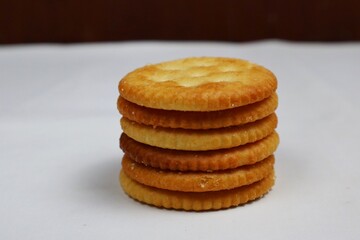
x,y
132,166
203,182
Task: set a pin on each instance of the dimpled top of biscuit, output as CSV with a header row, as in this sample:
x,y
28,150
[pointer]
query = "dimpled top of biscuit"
x,y
197,71
198,84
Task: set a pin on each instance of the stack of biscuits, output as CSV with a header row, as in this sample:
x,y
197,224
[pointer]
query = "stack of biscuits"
x,y
198,133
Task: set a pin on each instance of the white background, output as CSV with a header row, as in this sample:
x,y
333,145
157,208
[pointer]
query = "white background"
x,y
59,155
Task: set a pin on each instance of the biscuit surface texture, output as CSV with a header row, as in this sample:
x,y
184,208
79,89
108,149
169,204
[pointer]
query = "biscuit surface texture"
x,y
194,200
198,84
208,161
198,120
193,140
198,181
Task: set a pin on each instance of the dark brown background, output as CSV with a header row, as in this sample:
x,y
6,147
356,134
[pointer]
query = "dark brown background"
x,y
65,21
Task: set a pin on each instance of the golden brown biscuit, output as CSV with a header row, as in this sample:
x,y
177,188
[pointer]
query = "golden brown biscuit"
x,y
200,140
198,84
198,181
198,120
178,160
193,200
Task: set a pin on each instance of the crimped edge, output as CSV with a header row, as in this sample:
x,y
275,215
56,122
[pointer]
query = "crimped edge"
x,y
198,181
213,160
198,120
191,201
200,140
213,96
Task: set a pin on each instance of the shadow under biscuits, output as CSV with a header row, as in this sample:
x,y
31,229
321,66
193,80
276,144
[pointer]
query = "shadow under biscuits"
x,y
290,170
100,185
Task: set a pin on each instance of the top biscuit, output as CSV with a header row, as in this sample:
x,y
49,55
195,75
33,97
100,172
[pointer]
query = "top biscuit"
x,y
198,84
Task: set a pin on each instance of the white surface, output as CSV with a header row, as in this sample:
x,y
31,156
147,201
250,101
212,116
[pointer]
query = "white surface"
x,y
59,155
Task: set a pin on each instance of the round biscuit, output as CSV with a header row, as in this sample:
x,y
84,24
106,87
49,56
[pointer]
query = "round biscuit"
x,y
198,120
198,84
194,201
200,140
213,160
198,181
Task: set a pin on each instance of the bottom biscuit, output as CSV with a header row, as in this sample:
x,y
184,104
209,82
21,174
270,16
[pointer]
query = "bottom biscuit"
x,y
196,201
